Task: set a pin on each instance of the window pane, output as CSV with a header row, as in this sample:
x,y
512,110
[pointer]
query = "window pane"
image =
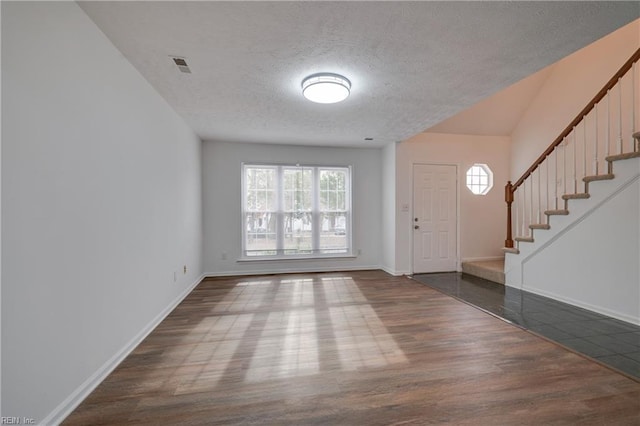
x,y
260,189
479,179
298,233
333,179
342,180
340,201
333,233
282,223
298,186
260,234
331,200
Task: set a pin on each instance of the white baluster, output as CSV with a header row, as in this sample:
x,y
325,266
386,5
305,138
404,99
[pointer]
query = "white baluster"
x,y
595,145
546,197
575,163
530,201
523,209
608,148
620,139
555,177
539,194
564,170
515,214
584,146
636,145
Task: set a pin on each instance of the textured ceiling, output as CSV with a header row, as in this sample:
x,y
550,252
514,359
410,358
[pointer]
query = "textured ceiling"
x,y
411,64
499,114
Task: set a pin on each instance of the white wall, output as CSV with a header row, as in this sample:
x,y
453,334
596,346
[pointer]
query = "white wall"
x,y
482,218
593,263
0,232
101,203
222,205
573,82
389,209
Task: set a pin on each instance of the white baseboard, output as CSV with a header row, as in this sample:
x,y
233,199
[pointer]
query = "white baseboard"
x,y
76,397
392,271
599,309
291,271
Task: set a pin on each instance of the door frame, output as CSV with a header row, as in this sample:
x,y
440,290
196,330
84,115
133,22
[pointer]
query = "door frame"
x,y
457,186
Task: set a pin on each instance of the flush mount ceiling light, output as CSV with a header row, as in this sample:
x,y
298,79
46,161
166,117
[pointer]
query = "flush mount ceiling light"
x,y
326,88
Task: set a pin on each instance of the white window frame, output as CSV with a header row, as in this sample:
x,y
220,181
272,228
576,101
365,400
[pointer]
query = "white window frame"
x,y
316,253
471,185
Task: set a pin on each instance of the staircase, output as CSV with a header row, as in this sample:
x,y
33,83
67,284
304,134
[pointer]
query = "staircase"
x,y
596,158
566,198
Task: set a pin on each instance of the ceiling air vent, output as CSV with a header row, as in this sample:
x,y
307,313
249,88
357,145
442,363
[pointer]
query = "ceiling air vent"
x,y
182,64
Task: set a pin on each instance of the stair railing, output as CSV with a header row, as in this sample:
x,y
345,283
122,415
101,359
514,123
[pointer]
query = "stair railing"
x,y
603,129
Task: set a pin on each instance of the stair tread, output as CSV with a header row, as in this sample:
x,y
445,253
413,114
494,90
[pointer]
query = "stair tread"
x,y
511,250
594,178
539,226
524,239
492,270
625,156
494,265
578,196
561,212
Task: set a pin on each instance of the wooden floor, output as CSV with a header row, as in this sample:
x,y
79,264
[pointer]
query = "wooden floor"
x,y
358,348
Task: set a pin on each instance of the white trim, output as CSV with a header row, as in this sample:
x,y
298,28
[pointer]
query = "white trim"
x,y
588,306
66,407
482,259
394,272
292,271
316,210
485,168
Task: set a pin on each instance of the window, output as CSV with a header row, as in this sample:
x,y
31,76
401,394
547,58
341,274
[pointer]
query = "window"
x,y
479,179
296,211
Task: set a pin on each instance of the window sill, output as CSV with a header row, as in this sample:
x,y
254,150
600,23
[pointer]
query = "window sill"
x,y
296,258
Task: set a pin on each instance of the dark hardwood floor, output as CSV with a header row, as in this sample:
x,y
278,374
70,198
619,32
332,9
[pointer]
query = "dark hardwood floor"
x,y
357,348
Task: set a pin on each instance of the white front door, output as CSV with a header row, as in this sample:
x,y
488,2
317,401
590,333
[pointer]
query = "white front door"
x,y
434,218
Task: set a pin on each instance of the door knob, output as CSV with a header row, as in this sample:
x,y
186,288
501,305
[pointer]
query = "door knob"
x,y
416,227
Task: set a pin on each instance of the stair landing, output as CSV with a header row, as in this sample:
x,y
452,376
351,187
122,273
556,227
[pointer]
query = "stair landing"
x,y
492,270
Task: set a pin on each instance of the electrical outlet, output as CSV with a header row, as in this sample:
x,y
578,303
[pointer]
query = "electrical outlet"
x,y
184,269
359,252
223,256
175,276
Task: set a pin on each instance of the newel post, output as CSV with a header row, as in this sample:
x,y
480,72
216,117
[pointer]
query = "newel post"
x,y
508,197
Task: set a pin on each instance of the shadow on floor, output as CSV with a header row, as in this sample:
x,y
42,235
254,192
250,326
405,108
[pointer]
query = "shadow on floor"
x,y
608,340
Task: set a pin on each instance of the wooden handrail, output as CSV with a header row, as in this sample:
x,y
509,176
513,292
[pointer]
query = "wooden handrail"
x,y
511,188
586,110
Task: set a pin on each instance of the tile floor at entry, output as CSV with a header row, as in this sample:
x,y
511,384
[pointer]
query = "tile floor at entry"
x,y
608,340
